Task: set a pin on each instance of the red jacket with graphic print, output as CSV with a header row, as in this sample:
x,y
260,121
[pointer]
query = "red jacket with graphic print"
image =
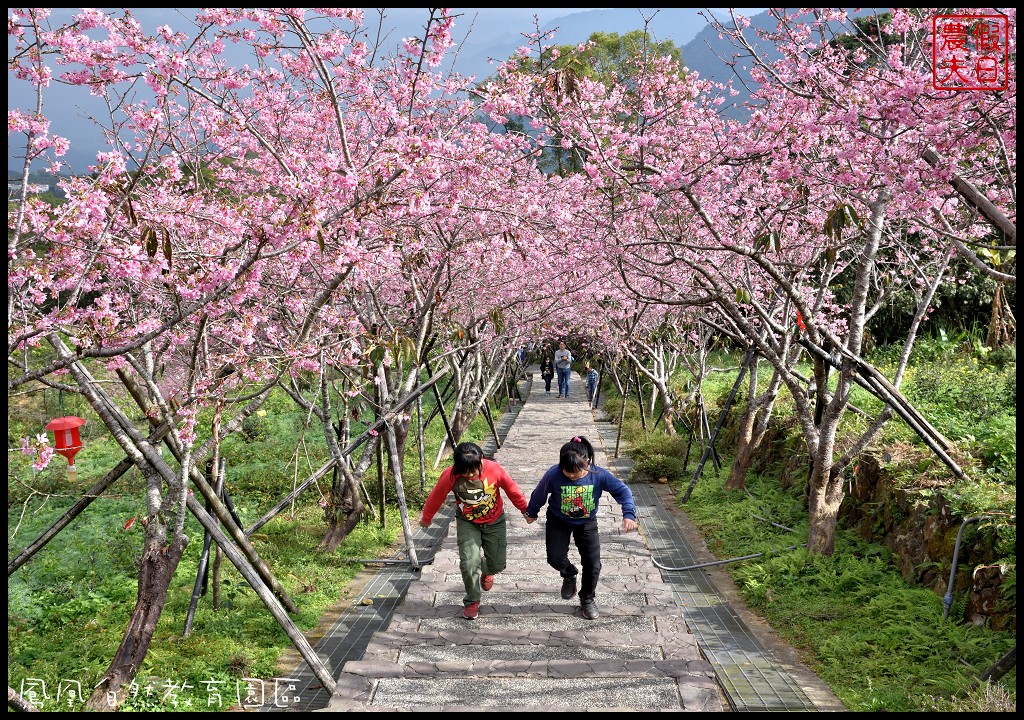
x,y
479,501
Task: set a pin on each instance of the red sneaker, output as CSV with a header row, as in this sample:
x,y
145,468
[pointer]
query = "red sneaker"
x,y
471,611
486,582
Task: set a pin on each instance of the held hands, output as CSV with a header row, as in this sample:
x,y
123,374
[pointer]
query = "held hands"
x,y
529,519
628,524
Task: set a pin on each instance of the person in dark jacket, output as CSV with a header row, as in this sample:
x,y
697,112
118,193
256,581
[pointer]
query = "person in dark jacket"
x,y
547,371
572,490
591,375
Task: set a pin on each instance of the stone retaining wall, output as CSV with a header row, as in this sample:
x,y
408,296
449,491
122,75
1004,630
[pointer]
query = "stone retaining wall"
x,y
920,528
917,525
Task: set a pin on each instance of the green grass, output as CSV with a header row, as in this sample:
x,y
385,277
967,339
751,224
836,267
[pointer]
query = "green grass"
x,y
878,642
68,606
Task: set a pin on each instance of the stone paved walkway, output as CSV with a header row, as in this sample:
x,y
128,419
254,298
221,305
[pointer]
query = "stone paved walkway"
x,y
664,641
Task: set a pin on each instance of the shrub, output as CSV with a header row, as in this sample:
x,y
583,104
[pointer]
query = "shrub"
x,y
991,697
660,466
254,428
659,455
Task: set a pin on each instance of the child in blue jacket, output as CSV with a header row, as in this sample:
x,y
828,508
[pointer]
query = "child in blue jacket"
x,y
591,374
572,490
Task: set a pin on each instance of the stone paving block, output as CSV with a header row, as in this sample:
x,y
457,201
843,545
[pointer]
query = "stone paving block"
x,y
520,599
518,694
469,653
565,621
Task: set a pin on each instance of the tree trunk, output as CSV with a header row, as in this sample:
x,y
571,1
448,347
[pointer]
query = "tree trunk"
x,y
345,507
158,565
401,427
745,449
461,420
824,498
826,485
753,426
1002,326
218,559
668,406
18,703
339,529
403,423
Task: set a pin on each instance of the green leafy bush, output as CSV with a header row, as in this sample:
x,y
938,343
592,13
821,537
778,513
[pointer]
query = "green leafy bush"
x,y
969,397
254,428
660,456
660,466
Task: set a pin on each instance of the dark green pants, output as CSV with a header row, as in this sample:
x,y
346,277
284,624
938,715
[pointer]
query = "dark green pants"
x,y
475,538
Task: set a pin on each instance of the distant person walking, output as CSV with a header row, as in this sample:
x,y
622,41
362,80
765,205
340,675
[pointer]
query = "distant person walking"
x,y
591,375
572,490
563,366
480,520
547,371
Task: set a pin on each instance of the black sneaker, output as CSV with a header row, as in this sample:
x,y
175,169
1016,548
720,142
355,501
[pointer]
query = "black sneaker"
x,y
589,608
569,588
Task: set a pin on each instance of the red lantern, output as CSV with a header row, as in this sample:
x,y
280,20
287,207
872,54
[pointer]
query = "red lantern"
x,y
67,441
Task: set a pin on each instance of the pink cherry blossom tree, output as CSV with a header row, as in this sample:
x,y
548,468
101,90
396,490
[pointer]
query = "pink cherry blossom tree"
x,y
305,215
827,185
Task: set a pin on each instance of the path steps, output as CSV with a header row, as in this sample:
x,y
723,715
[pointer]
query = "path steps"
x,y
529,650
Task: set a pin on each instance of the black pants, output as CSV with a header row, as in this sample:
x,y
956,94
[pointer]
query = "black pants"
x,y
556,538
547,383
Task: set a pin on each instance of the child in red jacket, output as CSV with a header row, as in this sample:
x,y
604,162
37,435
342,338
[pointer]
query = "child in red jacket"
x,y
480,521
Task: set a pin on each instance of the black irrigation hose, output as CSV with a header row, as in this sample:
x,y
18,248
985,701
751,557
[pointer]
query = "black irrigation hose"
x,y
772,523
947,599
720,562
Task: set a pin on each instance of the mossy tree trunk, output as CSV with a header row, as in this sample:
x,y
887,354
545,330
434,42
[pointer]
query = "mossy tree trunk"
x,y
159,562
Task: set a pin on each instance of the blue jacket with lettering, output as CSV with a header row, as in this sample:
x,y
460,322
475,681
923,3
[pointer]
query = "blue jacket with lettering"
x,y
576,501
